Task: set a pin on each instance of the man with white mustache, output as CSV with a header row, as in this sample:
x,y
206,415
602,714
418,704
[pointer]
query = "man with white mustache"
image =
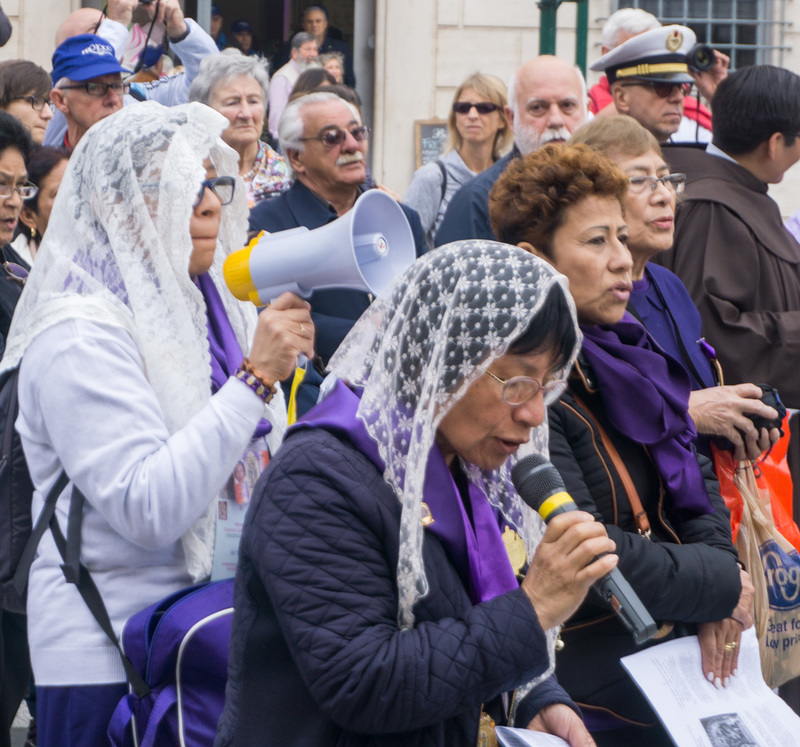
x,y
325,145
547,101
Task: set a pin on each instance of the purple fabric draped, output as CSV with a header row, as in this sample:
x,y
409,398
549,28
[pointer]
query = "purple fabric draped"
x,y
226,355
646,397
474,547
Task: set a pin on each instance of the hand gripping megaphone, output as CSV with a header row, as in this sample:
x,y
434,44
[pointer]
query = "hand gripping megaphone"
x,y
365,249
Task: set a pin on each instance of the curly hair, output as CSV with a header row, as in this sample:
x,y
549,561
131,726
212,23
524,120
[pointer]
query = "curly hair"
x,y
530,199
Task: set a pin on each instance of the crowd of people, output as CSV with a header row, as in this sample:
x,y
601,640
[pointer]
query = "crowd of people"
x,y
588,265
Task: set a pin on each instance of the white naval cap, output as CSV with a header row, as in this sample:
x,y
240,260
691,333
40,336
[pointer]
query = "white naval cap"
x,y
658,55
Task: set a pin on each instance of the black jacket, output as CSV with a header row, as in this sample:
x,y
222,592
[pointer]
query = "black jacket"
x,y
316,656
686,573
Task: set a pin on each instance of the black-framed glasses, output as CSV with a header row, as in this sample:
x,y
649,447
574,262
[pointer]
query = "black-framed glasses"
x,y
482,107
15,272
336,136
37,102
222,186
663,90
25,191
98,88
519,389
673,182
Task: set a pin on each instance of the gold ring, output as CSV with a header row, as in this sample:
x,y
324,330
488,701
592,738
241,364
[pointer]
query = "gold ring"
x,y
301,328
732,646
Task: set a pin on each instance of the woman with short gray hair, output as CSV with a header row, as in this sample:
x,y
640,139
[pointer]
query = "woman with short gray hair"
x,y
237,87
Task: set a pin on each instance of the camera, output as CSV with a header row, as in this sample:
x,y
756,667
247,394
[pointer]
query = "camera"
x,y
773,400
700,58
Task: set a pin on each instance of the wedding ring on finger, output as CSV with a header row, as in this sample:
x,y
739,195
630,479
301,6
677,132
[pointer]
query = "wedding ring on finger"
x,y
302,328
731,647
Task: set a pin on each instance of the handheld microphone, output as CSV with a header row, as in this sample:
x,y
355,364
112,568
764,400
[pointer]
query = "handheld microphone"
x,y
538,483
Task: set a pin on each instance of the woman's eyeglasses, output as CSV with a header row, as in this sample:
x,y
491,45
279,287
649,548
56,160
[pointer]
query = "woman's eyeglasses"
x,y
519,389
336,136
222,186
673,183
482,107
25,191
37,102
15,272
663,90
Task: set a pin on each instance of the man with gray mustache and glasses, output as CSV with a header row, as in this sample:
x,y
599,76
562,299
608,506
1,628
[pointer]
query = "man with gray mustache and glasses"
x,y
325,145
547,102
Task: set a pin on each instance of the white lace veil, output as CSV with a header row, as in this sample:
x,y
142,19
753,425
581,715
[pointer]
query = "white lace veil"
x,y
416,352
117,252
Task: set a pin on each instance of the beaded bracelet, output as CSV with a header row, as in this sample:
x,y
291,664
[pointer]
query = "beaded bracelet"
x,y
251,376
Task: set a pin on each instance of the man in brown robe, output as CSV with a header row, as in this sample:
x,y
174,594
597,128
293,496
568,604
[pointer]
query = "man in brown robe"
x,y
739,263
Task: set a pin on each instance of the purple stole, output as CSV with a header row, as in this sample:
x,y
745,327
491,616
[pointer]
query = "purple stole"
x,y
475,547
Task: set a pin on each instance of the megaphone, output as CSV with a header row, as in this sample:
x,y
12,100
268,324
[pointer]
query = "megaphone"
x,y
365,249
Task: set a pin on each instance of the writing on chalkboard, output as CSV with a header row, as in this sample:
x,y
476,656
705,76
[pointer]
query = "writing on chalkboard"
x,y
430,136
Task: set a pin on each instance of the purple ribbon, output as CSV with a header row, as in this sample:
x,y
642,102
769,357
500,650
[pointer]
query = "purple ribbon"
x,y
646,397
226,355
474,547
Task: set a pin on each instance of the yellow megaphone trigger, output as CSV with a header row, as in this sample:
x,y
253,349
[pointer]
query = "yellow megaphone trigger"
x,y
237,273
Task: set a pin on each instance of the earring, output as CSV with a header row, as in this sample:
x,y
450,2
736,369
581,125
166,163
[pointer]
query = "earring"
x,y
33,233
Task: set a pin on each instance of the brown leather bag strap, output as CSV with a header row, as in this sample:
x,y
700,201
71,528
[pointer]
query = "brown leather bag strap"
x,y
639,514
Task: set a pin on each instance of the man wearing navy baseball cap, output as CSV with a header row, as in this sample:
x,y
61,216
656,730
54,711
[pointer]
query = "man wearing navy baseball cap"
x,y
649,77
88,83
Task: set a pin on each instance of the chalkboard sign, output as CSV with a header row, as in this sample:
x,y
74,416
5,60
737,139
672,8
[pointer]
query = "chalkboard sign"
x,y
430,136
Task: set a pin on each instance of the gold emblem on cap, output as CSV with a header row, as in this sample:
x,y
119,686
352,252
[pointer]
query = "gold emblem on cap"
x,y
674,40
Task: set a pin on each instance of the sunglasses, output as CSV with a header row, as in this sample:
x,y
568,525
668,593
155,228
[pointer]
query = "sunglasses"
x,y
336,136
15,272
482,107
222,186
663,90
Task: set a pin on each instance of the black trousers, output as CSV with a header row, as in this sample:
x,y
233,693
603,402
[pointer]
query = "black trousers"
x,y
15,669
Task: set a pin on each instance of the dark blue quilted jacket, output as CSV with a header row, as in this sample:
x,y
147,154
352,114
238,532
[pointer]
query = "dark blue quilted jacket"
x,y
316,656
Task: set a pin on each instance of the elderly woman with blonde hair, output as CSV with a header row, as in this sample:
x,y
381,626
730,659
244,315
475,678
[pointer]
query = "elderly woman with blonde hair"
x,y
478,134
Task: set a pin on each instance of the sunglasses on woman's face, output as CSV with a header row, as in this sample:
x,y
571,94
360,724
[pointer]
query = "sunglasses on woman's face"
x,y
482,107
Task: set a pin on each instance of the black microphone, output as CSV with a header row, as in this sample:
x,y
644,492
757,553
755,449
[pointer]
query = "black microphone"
x,y
540,485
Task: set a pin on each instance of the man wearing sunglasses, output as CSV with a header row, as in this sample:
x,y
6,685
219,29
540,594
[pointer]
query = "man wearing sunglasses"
x,y
325,144
649,79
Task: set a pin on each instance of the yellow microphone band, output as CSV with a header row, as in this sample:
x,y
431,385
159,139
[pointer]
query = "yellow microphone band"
x,y
553,502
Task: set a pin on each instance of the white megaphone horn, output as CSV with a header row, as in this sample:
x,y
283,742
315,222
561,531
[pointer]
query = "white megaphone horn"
x,y
365,249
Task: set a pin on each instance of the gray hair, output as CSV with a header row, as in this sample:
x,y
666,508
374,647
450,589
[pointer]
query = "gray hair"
x,y
219,69
512,92
332,55
627,20
290,126
301,37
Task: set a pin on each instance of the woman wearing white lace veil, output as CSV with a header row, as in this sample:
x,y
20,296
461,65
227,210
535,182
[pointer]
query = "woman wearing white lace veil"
x,y
123,336
377,598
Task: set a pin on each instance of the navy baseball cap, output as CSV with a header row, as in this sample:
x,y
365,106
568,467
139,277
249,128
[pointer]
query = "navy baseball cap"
x,y
241,25
84,57
215,11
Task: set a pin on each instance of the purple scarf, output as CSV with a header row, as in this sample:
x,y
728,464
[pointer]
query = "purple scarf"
x,y
226,355
475,548
646,397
